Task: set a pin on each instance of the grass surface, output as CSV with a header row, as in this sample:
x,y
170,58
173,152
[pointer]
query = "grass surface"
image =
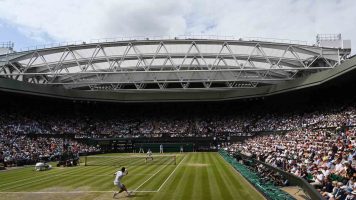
x,y
196,176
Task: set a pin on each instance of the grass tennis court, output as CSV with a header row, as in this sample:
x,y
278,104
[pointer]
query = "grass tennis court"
x,y
194,176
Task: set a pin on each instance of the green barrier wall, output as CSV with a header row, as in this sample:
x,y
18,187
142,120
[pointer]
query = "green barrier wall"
x,y
267,189
294,180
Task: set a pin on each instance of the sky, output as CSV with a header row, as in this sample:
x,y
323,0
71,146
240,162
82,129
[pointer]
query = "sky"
x,y
34,22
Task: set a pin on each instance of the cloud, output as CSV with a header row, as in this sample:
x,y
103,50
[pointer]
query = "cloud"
x,y
147,18
300,20
69,20
79,20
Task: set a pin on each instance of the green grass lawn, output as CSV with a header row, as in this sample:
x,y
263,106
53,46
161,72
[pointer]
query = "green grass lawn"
x,y
195,176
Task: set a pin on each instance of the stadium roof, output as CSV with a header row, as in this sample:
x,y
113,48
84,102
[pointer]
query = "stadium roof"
x,y
169,64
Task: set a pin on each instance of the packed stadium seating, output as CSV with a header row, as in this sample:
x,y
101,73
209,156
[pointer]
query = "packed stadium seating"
x,y
320,148
25,130
314,141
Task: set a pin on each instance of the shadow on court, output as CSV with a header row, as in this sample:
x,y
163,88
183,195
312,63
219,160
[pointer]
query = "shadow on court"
x,y
139,195
133,196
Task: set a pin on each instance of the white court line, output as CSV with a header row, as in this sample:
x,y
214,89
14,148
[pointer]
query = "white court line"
x,y
48,176
68,174
171,174
72,192
52,171
150,177
44,175
41,179
99,175
26,183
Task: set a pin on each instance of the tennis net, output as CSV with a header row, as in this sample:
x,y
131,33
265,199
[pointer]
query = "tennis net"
x,y
129,160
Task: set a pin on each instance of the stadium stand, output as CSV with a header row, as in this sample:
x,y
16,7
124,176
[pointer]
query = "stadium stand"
x,y
317,146
26,128
313,139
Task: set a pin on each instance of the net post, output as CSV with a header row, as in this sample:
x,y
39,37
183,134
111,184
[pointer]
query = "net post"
x,y
175,160
85,161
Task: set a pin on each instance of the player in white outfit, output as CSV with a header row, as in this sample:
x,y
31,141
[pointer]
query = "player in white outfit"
x,y
149,155
118,176
161,148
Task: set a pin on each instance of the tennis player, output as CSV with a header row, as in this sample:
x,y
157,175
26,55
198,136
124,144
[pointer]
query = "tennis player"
x,y
149,155
117,181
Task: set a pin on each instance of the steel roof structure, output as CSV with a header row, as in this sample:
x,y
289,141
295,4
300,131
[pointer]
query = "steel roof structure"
x,y
169,64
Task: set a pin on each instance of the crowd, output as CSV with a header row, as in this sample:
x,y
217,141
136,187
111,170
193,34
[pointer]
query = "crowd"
x,y
22,150
325,158
28,134
121,126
